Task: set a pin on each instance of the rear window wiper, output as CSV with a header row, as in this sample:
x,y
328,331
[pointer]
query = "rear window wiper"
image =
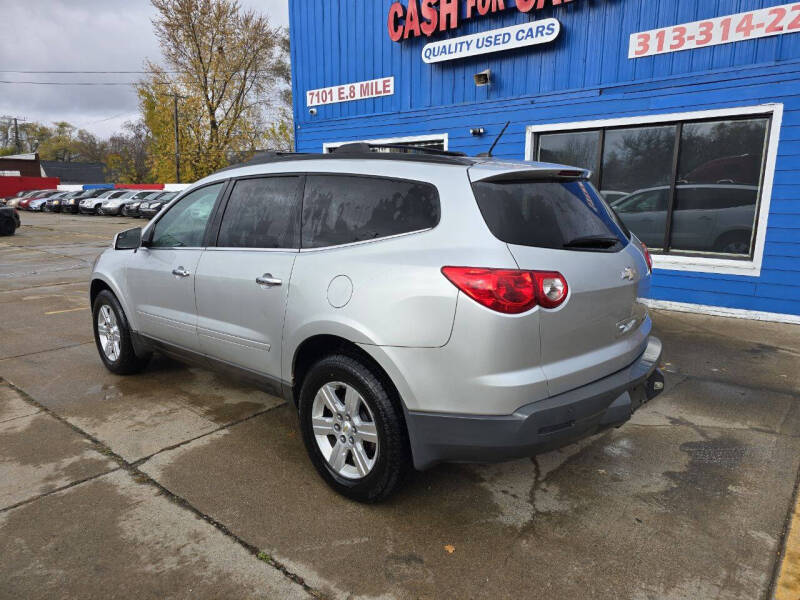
x,y
592,241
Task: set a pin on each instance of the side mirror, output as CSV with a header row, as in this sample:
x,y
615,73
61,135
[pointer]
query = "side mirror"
x,y
130,239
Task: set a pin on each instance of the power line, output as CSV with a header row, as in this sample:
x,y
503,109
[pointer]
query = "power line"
x,y
87,72
88,83
83,83
168,71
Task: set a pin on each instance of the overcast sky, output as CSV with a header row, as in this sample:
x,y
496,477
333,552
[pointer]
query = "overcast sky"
x,y
82,35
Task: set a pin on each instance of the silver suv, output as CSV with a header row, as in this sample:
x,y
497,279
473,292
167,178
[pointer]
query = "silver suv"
x,y
415,308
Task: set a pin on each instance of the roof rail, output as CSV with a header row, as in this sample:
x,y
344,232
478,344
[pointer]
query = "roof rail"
x,y
361,150
363,147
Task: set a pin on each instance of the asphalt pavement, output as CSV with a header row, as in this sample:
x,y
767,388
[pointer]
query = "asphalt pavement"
x,y
183,483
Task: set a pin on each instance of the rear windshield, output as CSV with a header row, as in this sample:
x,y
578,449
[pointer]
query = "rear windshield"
x,y
549,214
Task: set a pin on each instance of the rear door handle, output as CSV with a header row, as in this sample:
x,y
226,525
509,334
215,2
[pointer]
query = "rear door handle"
x,y
180,272
267,280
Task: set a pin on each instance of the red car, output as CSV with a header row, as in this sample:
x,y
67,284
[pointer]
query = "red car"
x,y
23,204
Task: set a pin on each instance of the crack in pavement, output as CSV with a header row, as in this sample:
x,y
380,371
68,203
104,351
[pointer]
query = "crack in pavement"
x,y
143,478
751,388
144,459
43,251
43,271
47,350
41,285
59,489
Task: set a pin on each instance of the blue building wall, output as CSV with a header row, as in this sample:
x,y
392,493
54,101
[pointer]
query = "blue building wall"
x,y
584,75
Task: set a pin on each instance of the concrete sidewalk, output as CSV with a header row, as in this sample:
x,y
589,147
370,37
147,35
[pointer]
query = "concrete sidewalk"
x,y
182,483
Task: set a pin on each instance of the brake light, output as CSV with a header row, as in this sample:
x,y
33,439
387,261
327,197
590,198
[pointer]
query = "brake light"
x,y
647,258
509,291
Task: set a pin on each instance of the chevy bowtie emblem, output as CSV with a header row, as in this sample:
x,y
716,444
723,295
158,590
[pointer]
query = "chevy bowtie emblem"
x,y
629,273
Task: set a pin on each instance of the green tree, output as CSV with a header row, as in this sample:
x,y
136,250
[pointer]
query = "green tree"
x,y
230,68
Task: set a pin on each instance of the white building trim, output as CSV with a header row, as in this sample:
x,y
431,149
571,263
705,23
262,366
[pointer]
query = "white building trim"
x,y
720,311
702,264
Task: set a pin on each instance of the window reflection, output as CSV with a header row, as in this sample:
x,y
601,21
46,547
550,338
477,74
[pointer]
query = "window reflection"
x,y
717,183
184,225
719,173
645,213
262,213
580,149
346,209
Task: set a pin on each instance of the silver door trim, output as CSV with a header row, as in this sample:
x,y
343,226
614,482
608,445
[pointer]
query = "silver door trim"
x,y
233,339
372,241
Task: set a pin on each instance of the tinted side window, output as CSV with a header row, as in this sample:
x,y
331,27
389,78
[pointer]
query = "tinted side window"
x,y
262,213
548,214
184,224
650,201
341,209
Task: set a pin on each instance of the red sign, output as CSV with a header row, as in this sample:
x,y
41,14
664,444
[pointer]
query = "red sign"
x,y
426,17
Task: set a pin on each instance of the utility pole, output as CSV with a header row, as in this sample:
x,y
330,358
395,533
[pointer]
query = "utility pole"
x,y
16,136
177,141
17,143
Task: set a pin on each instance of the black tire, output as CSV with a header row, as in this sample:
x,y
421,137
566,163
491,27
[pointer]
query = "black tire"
x,y
128,362
7,227
734,242
393,461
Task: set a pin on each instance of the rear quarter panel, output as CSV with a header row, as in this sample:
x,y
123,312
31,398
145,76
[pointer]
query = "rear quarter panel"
x,y
399,296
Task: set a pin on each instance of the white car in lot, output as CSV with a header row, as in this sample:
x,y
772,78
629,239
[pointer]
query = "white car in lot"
x,y
113,206
91,206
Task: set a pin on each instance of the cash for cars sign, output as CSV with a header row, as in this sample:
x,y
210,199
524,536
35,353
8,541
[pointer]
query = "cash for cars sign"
x,y
507,38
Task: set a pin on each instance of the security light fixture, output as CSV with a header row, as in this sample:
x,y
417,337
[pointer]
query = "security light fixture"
x,y
477,131
312,111
483,78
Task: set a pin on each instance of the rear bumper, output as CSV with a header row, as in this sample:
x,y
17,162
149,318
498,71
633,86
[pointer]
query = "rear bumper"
x,y
539,426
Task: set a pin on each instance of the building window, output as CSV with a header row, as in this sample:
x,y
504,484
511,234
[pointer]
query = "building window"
x,y
433,141
686,187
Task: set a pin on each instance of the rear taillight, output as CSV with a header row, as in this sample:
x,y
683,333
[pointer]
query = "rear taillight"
x,y
551,288
509,291
647,257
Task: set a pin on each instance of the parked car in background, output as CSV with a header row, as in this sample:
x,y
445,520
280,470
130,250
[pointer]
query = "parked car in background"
x,y
113,206
13,201
22,203
55,201
72,204
5,201
717,217
9,220
90,206
150,208
131,209
515,329
36,204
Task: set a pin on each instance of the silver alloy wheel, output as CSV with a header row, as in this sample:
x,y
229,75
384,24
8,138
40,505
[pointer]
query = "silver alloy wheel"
x,y
108,332
345,430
